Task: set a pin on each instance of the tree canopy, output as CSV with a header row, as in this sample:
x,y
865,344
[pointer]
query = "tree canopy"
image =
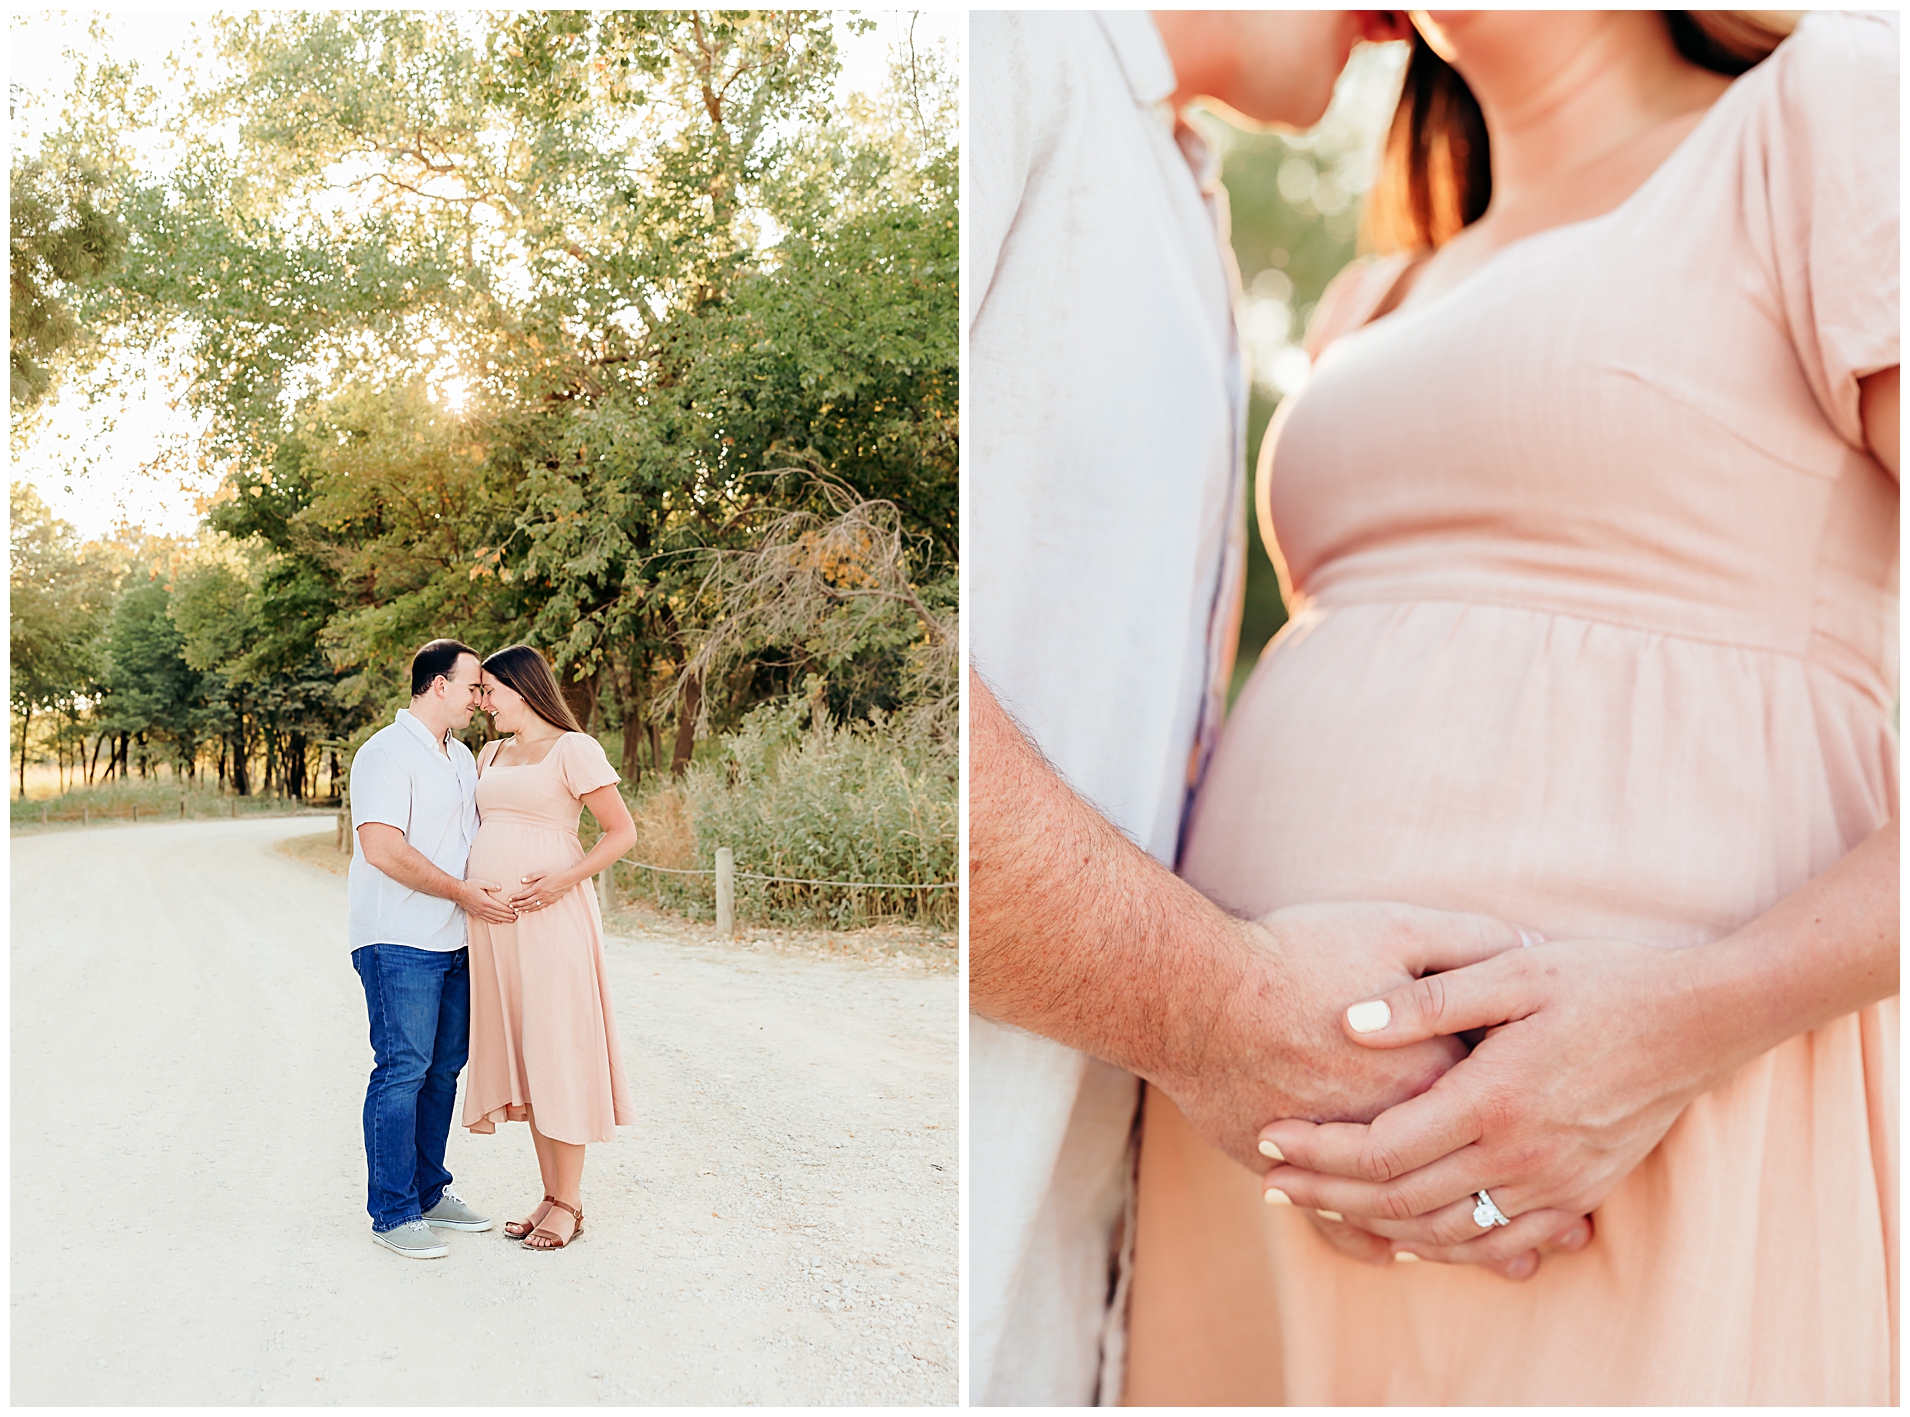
x,y
506,326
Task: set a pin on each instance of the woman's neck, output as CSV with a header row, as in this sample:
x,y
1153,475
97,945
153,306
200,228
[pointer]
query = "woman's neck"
x,y
1572,99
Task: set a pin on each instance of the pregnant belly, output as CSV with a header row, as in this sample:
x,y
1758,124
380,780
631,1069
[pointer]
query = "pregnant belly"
x,y
505,850
1579,778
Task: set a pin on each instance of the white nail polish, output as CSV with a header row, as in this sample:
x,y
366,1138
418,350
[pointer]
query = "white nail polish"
x,y
1329,1215
1529,938
1369,1017
1274,1196
1405,1257
1267,1148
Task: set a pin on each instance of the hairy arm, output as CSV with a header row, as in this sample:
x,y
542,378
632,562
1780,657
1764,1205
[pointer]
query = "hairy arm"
x,y
1078,935
1075,933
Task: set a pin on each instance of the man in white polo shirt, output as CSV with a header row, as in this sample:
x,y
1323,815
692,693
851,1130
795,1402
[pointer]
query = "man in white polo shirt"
x,y
414,811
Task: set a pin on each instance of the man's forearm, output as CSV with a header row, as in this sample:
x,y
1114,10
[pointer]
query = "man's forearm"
x,y
408,866
1074,932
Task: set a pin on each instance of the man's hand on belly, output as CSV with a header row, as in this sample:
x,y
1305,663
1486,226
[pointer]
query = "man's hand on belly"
x,y
1272,1046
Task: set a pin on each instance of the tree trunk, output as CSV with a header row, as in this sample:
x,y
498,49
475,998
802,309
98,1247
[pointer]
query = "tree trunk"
x,y
92,764
295,766
580,692
686,726
26,727
630,705
241,785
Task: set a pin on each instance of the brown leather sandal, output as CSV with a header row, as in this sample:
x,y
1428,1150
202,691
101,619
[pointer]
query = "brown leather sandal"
x,y
576,1232
518,1229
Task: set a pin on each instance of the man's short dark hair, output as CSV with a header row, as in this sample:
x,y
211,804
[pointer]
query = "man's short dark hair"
x,y
438,657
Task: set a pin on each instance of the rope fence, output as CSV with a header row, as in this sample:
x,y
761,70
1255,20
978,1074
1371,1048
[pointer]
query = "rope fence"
x,y
799,880
727,876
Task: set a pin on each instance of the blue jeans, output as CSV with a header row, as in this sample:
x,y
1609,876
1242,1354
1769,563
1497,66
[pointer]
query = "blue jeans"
x,y
420,1007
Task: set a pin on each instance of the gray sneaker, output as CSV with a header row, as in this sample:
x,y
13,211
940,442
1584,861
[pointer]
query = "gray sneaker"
x,y
413,1240
451,1213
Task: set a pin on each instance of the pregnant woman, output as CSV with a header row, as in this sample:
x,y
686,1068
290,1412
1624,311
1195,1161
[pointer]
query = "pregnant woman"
x,y
543,1040
1589,523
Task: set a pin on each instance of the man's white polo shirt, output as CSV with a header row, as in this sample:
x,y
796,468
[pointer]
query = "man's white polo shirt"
x,y
401,779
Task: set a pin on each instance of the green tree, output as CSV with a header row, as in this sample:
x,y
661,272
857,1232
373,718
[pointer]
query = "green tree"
x,y
150,690
508,326
58,594
64,232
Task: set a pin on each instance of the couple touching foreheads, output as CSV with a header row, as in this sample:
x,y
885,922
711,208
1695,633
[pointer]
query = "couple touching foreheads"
x,y
1587,520
474,933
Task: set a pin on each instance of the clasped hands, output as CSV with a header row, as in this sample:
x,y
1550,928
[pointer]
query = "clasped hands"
x,y
487,901
1581,1059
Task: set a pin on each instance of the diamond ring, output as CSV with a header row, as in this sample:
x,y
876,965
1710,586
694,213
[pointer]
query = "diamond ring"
x,y
1486,1215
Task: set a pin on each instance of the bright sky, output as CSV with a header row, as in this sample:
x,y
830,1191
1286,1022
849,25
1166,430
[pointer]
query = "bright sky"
x,y
132,456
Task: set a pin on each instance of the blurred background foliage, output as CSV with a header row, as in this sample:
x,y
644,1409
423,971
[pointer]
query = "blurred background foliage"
x,y
1296,200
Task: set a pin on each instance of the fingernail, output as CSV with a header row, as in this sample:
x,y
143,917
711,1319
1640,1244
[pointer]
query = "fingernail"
x,y
1576,1239
1369,1017
1273,1195
1267,1148
1524,1266
1529,938
1405,1257
1330,1214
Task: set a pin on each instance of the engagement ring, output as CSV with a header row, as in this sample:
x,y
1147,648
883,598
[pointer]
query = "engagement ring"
x,y
1486,1215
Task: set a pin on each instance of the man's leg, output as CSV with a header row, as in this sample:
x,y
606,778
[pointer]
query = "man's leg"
x,y
402,990
438,1095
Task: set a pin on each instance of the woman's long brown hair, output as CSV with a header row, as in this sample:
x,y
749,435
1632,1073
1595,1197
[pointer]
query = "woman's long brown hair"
x,y
1436,178
523,669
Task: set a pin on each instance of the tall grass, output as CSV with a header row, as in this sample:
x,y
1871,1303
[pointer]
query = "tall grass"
x,y
795,795
156,799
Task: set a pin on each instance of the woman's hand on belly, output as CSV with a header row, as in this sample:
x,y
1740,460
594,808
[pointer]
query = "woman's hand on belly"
x,y
540,888
1589,1059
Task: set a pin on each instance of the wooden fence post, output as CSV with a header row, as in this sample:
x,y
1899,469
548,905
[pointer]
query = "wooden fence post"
x,y
135,811
606,892
86,816
182,809
43,814
725,891
235,809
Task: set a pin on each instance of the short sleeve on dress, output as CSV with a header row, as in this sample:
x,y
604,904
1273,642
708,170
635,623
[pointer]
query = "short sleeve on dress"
x,y
585,765
1830,157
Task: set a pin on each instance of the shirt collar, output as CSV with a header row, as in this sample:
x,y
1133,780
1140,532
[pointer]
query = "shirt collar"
x,y
1149,70
1141,54
410,721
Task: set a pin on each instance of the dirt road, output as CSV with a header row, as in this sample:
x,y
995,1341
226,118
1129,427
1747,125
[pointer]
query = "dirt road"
x,y
189,1060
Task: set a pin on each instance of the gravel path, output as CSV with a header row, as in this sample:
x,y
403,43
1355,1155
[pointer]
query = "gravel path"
x,y
189,1060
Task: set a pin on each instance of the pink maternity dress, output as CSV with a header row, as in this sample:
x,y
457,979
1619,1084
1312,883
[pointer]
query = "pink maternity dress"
x,y
1595,592
543,1038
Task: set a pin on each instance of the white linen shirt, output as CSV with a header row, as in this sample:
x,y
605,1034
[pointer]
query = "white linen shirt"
x,y
401,779
1106,400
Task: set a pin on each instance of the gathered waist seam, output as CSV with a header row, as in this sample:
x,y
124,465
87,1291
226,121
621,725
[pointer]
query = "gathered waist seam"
x,y
501,820
1325,604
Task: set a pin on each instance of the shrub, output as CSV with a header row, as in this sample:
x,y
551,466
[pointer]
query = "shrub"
x,y
795,795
